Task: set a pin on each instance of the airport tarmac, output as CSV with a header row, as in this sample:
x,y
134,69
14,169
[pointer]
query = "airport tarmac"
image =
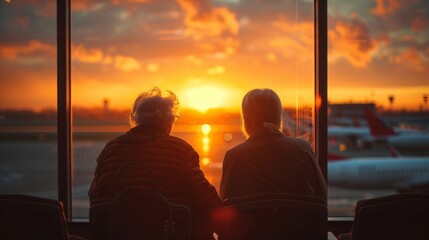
x,y
40,177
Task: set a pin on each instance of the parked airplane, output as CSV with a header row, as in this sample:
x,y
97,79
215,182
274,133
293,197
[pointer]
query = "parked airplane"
x,y
402,174
407,142
357,137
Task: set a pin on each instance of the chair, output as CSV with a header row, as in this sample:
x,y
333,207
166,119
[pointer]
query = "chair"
x,y
138,211
98,220
273,216
29,217
400,216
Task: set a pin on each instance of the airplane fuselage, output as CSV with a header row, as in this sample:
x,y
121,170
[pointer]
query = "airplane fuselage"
x,y
380,173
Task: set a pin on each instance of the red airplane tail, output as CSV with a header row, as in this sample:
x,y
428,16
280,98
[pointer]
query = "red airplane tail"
x,y
376,125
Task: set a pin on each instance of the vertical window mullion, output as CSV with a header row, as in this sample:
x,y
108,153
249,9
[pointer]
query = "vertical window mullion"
x,y
320,129
64,140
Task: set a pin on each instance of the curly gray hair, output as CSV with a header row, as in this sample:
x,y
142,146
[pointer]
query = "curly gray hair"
x,y
151,107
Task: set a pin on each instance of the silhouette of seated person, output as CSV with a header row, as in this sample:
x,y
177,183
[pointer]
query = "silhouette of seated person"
x,y
269,163
175,164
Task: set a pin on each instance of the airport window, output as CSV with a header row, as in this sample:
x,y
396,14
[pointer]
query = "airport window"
x,y
209,53
378,110
28,104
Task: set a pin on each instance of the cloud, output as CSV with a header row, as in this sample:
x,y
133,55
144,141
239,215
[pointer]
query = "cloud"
x,y
410,58
85,55
129,1
294,41
194,59
351,40
120,62
216,70
203,20
126,64
419,23
33,47
152,67
77,5
385,7
271,57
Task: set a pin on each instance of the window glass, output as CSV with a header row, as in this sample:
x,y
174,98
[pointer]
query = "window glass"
x,y
378,63
28,103
209,53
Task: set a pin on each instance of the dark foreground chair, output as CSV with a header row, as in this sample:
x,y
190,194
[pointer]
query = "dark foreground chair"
x,y
139,211
29,217
400,216
98,220
273,216
132,221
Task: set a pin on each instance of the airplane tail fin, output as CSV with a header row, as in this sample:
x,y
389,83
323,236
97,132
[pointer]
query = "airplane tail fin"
x,y
376,125
393,151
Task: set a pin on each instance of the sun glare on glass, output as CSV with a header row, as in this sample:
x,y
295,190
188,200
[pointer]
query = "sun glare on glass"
x,y
205,161
203,98
206,128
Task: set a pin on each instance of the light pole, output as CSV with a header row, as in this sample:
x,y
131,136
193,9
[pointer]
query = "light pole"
x,y
391,101
425,101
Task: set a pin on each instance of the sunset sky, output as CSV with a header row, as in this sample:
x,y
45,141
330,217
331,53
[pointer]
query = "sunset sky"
x,y
211,52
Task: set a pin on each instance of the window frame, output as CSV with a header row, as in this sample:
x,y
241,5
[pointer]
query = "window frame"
x,y
64,114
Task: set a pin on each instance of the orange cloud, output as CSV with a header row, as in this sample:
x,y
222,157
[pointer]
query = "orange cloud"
x,y
129,1
216,70
77,5
202,20
410,58
351,40
85,55
295,41
11,52
123,63
384,7
126,64
419,24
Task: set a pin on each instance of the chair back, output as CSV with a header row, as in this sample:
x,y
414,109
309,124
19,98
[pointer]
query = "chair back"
x,y
139,211
29,217
400,216
99,215
275,216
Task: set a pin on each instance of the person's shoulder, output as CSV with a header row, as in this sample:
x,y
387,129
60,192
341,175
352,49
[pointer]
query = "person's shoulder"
x,y
298,142
118,139
175,141
236,152
239,148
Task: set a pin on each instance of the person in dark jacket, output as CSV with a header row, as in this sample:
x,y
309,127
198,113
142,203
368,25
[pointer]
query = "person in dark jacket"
x,y
175,164
269,161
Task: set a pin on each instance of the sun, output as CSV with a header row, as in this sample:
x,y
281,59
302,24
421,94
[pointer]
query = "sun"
x,y
203,98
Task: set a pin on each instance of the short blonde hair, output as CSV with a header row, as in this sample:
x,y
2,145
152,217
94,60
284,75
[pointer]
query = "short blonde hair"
x,y
261,109
151,107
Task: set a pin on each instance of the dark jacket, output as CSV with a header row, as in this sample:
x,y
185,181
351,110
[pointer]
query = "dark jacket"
x,y
271,163
175,165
